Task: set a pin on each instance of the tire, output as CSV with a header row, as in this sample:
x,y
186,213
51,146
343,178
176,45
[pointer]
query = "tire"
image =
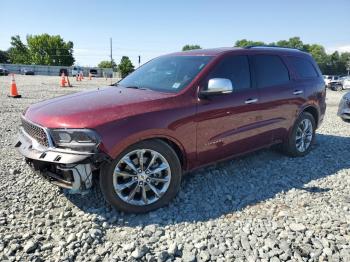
x,y
291,145
118,174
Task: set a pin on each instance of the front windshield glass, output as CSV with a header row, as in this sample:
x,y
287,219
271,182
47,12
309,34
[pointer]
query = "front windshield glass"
x,y
167,73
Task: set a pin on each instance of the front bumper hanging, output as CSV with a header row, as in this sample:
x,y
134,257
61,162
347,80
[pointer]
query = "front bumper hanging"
x,y
70,170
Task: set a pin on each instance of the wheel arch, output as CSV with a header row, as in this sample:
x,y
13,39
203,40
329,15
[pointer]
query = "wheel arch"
x,y
179,150
313,111
172,142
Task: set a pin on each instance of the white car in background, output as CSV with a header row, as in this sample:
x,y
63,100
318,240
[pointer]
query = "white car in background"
x,y
346,82
328,79
340,84
76,70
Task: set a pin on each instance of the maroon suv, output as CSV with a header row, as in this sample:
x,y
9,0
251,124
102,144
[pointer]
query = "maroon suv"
x,y
174,114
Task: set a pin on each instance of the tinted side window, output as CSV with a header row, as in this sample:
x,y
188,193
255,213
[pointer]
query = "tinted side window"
x,y
303,67
235,68
270,70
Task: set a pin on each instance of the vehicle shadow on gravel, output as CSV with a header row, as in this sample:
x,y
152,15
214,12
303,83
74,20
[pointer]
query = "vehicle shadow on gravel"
x,y
231,186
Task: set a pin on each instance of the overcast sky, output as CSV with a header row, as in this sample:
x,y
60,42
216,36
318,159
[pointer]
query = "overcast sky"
x,y
151,28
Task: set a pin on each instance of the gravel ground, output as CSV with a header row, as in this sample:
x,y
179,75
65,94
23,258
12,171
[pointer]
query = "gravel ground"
x,y
261,207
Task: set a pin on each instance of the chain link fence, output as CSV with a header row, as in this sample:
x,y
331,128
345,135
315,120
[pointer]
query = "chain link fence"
x,y
54,70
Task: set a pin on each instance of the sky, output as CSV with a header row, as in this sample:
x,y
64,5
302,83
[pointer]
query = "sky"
x,y
153,27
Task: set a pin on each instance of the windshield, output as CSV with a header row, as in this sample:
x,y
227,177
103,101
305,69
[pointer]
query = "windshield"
x,y
167,73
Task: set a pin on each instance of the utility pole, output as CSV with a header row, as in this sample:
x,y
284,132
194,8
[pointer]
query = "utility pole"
x,y
111,53
139,60
348,66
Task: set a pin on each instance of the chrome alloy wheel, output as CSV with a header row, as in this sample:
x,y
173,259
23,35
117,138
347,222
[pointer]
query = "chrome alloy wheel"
x,y
141,177
304,135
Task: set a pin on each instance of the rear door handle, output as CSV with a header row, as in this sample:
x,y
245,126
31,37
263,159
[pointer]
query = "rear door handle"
x,y
298,92
251,101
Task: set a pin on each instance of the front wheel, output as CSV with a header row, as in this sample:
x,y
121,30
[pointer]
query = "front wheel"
x,y
146,176
302,136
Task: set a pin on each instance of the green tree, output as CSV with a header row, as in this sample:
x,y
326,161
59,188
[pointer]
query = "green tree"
x,y
190,47
329,64
293,42
4,57
48,49
344,62
125,66
107,64
319,54
41,50
245,43
18,52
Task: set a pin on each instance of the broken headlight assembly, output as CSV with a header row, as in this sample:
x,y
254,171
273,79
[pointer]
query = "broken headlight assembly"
x,y
85,140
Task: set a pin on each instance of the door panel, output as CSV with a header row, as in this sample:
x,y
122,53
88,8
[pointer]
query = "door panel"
x,y
280,103
232,123
280,95
227,126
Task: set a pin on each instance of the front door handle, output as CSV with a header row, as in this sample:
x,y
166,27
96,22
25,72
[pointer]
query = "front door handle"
x,y
298,92
251,101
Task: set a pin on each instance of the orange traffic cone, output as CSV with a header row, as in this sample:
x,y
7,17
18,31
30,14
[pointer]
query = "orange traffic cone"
x,y
68,82
13,88
63,80
80,76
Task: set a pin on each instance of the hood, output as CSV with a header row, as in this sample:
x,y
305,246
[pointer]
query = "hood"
x,y
89,109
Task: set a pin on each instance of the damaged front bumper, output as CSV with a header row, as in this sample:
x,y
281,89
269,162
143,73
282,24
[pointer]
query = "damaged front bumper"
x,y
65,168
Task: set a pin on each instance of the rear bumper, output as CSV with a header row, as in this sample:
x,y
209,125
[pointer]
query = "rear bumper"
x,y
64,168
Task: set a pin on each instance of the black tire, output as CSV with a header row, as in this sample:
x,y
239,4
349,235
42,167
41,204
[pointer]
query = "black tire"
x,y
106,178
289,146
338,88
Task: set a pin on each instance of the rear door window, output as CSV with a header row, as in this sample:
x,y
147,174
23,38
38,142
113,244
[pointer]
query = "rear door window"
x,y
235,68
270,71
303,67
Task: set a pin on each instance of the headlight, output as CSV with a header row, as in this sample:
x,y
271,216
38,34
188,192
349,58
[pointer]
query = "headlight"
x,y
75,139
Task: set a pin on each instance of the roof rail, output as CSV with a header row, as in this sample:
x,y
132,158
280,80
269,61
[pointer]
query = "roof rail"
x,y
272,46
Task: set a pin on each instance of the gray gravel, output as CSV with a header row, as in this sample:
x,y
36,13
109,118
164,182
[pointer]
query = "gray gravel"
x,y
261,207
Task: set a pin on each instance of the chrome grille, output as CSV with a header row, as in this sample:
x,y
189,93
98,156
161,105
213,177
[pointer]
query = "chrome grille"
x,y
35,132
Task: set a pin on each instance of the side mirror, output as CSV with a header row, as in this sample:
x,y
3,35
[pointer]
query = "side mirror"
x,y
217,86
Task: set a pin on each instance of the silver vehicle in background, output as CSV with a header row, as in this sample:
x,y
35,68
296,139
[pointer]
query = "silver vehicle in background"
x,y
340,84
329,78
344,108
3,72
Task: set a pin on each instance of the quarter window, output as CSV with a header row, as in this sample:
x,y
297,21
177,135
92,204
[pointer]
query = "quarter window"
x,y
303,67
270,71
235,68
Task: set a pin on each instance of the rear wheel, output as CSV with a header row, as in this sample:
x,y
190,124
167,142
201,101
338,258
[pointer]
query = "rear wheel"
x,y
146,176
338,88
302,136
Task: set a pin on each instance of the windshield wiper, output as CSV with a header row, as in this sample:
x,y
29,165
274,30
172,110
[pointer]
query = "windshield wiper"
x,y
137,87
133,87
